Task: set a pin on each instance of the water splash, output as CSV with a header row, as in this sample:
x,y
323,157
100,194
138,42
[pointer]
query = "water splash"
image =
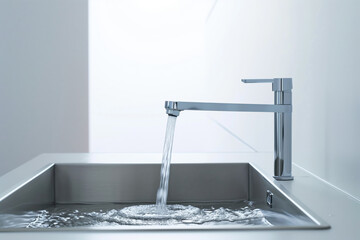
x,y
162,192
241,213
189,215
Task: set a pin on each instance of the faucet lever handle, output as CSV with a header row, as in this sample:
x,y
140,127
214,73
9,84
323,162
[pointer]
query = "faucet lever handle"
x,y
257,80
278,84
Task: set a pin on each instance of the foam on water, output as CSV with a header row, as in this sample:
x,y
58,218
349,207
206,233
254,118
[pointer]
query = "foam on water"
x,y
181,214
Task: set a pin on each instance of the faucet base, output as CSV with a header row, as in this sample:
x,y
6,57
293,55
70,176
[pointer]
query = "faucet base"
x,y
284,178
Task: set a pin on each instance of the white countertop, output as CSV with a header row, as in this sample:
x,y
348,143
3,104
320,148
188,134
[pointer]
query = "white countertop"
x,y
341,211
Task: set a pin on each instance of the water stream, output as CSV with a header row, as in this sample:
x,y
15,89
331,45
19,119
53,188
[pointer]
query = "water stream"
x,y
162,192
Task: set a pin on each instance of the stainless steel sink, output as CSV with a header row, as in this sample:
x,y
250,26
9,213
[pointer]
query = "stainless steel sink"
x,y
138,183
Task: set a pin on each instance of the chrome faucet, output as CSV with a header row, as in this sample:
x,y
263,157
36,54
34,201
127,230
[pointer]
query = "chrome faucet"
x,y
282,109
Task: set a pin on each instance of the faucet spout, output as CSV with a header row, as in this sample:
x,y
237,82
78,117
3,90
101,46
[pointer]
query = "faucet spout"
x,y
171,108
282,109
175,107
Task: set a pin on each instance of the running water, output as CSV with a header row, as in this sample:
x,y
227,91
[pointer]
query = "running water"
x,y
162,192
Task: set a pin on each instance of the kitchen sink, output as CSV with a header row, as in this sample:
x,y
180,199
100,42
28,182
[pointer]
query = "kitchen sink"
x,y
97,186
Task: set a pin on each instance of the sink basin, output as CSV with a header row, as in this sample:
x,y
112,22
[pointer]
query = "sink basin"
x,y
68,185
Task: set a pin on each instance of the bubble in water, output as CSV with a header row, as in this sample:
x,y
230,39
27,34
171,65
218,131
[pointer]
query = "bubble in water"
x,y
149,212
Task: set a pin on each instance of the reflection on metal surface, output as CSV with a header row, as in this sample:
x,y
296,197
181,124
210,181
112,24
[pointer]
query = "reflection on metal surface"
x,y
269,198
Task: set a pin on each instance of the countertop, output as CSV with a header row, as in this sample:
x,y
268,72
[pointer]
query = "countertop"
x,y
337,208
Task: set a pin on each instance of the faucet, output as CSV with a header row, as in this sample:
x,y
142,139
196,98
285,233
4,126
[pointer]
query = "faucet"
x,y
282,109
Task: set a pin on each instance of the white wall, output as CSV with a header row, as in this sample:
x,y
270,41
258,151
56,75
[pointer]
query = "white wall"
x,y
317,44
141,54
43,79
